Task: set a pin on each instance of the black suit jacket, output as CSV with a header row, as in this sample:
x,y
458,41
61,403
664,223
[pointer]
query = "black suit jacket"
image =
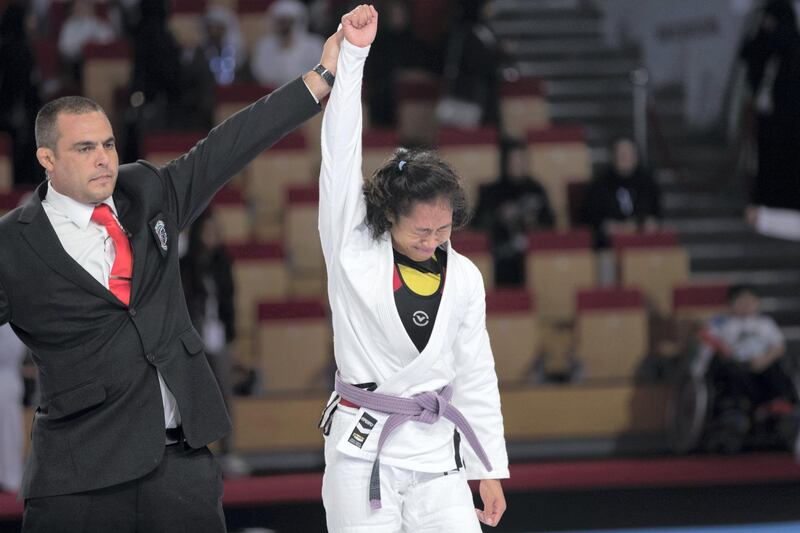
x,y
101,420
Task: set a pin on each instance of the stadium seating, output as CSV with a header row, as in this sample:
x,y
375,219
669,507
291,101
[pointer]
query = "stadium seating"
x,y
474,156
511,322
231,211
11,199
523,107
186,19
259,273
377,147
611,331
416,110
295,346
476,246
161,148
106,67
252,20
559,156
232,98
655,263
301,235
558,265
270,173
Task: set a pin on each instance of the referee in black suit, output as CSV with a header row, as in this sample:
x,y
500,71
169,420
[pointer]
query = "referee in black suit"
x,y
128,401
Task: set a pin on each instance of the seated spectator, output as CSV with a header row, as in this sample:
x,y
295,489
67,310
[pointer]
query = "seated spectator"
x,y
19,96
743,350
12,352
289,50
80,28
625,198
509,208
223,44
207,278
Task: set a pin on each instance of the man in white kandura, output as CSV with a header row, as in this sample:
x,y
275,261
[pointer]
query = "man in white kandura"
x,y
416,412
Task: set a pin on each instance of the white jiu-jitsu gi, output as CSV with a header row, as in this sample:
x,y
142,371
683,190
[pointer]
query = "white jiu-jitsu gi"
x,y
370,341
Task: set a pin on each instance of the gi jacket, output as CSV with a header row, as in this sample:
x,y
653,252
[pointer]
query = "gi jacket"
x,y
101,420
370,342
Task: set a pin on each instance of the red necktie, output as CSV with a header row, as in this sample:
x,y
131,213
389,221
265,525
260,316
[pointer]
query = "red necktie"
x,y
119,282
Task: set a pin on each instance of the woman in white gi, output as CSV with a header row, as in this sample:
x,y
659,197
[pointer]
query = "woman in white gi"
x,y
416,410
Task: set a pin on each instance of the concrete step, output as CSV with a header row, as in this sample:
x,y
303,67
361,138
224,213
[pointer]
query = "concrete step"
x,y
567,89
532,47
599,108
749,256
544,50
561,28
511,8
576,69
700,205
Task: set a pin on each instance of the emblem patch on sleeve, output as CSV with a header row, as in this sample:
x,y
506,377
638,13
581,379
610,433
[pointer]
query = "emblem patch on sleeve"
x,y
159,230
362,430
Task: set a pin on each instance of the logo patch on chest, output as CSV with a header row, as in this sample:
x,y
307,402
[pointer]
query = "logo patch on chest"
x,y
420,318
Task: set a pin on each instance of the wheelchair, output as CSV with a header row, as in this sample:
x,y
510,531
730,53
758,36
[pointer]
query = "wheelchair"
x,y
702,417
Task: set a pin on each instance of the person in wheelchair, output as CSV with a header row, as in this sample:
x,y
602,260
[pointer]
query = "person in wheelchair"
x,y
743,356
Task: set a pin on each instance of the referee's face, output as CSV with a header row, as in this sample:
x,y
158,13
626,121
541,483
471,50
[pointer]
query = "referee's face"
x,y
84,163
427,225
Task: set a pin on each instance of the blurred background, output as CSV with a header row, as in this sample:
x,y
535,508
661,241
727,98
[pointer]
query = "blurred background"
x,y
618,155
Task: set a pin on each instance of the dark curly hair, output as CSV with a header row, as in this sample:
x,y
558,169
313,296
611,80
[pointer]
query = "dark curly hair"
x,y
408,177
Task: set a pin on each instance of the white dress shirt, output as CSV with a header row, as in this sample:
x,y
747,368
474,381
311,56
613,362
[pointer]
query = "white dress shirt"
x,y
89,244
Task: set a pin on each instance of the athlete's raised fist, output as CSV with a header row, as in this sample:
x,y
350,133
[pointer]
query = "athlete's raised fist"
x,y
360,25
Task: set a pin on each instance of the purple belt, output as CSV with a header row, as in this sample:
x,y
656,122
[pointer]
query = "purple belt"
x,y
425,407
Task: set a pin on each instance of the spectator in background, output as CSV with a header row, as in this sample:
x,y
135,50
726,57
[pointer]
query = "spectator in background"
x,y
156,74
80,28
625,198
742,351
509,208
195,111
19,96
471,70
397,49
772,58
279,56
207,278
224,46
12,352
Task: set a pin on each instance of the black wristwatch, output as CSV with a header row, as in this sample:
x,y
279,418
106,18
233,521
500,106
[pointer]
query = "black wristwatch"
x,y
326,74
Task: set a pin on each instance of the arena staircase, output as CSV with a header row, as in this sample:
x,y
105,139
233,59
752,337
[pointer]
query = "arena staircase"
x,y
588,82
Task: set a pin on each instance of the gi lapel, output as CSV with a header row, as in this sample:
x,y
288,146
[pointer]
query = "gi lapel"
x,y
410,374
43,239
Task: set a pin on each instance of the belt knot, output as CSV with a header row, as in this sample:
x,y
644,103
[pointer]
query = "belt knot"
x,y
434,404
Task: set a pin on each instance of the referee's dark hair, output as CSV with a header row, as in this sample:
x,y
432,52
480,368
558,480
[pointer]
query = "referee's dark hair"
x,y
408,177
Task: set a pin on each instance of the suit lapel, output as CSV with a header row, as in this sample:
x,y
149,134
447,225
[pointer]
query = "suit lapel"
x,y
43,239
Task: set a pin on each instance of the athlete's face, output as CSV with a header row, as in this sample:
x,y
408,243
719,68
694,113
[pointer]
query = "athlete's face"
x,y
84,163
427,225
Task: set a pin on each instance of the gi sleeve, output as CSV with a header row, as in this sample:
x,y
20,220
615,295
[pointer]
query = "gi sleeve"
x,y
192,179
341,197
476,393
780,223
